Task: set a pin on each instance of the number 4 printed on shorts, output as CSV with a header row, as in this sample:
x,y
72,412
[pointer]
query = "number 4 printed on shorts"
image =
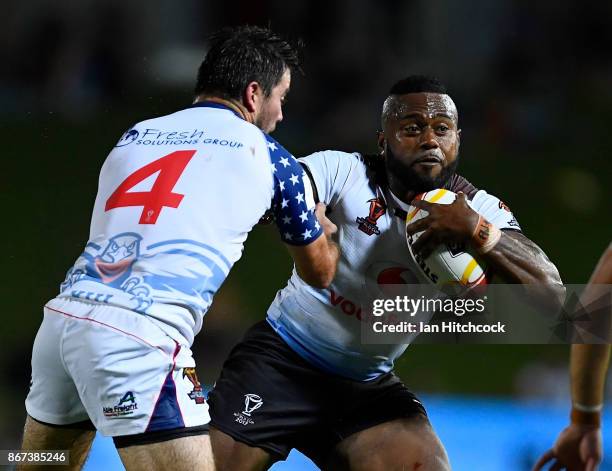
x,y
170,168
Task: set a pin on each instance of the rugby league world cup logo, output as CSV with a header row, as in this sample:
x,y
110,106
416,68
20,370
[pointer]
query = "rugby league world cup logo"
x,y
252,402
368,224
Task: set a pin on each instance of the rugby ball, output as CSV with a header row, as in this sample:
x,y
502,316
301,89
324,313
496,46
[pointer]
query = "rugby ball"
x,y
448,267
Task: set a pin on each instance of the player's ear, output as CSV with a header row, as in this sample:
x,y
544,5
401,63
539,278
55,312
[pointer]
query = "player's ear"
x,y
382,142
458,139
251,96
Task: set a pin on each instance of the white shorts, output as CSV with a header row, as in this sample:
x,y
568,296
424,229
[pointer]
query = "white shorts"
x,y
114,367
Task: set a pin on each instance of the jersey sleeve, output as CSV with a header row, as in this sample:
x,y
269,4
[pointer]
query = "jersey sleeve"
x,y
494,210
293,203
332,172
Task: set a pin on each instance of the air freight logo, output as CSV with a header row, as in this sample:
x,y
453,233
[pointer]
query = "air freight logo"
x,y
368,224
126,406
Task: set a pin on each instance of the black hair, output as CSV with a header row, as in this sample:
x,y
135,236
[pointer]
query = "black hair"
x,y
417,84
410,84
243,54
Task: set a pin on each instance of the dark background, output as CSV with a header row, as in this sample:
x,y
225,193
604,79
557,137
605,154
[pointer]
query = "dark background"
x,y
532,82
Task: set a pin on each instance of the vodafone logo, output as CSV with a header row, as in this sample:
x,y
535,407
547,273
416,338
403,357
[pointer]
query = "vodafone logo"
x,y
381,276
396,276
347,306
378,275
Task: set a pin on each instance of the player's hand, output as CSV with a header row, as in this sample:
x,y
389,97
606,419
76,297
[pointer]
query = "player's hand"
x,y
578,448
446,223
329,228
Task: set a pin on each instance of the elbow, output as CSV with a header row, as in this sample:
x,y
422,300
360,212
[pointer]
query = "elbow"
x,y
320,279
325,281
552,278
551,283
319,270
319,276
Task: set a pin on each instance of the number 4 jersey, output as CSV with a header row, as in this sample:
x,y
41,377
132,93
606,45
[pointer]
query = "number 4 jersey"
x,y
177,197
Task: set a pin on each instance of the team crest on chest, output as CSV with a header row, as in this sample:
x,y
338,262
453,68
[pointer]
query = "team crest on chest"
x,y
368,224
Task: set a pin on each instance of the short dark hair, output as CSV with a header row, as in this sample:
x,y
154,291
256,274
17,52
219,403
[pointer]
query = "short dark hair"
x,y
418,84
410,84
243,54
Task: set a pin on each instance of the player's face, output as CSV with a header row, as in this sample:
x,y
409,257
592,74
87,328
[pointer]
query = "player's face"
x,y
270,110
421,140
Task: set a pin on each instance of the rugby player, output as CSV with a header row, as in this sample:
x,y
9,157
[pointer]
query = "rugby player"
x,y
177,197
579,446
302,378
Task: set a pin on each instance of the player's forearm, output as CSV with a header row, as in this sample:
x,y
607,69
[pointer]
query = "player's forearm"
x,y
516,259
588,366
316,263
333,255
589,363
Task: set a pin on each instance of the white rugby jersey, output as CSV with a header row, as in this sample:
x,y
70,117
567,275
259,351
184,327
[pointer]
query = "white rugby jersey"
x,y
323,325
177,197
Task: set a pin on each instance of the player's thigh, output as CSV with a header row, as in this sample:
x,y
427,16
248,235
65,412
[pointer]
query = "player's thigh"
x,y
38,436
400,444
232,455
184,453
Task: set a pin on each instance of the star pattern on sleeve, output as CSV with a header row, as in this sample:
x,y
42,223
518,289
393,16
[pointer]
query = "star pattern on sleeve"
x,y
297,223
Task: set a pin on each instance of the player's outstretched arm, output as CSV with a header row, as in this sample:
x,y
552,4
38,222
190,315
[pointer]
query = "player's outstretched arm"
x,y
316,262
579,446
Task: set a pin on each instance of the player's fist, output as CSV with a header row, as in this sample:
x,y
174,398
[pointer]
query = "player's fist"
x,y
445,223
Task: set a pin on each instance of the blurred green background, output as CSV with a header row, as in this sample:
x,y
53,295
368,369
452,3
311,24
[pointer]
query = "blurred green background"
x,y
531,81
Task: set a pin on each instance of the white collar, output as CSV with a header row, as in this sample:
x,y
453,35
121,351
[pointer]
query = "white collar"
x,y
399,202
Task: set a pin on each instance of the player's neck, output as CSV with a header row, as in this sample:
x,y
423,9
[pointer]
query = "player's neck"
x,y
235,106
399,190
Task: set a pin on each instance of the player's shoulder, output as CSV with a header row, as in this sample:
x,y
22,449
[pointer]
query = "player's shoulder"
x,y
342,157
336,162
215,117
458,183
275,148
334,169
